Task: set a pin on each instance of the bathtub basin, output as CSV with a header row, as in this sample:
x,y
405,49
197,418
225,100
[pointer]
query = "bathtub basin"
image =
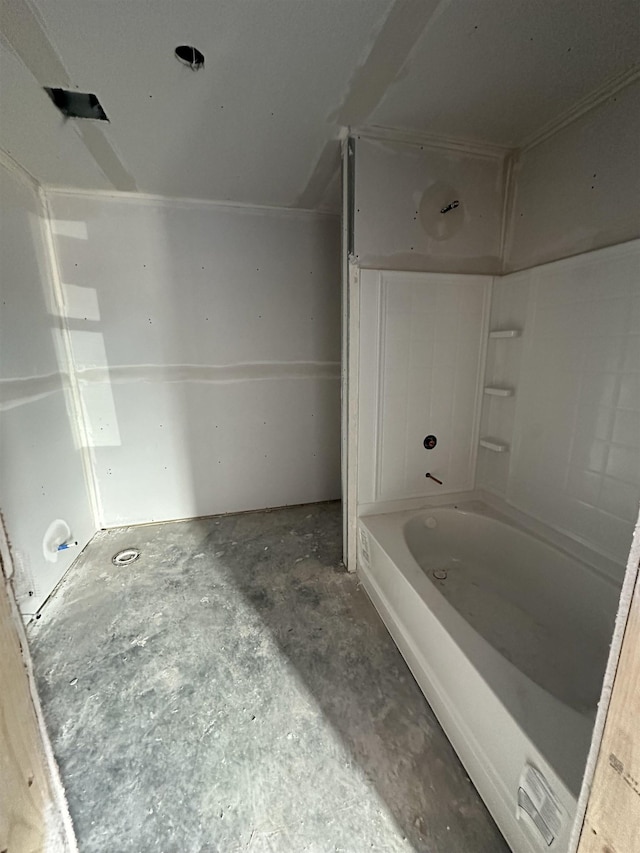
x,y
507,635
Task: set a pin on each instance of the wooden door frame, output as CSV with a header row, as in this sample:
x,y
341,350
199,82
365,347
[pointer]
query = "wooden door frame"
x,y
33,809
608,816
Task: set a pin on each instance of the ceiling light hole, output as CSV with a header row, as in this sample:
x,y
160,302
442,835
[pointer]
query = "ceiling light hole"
x,y
189,55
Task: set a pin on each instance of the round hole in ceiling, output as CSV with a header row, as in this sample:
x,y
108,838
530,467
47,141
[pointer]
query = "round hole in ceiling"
x,y
189,55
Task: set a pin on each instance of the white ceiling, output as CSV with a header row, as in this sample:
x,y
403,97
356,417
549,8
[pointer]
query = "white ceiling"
x,y
259,124
498,70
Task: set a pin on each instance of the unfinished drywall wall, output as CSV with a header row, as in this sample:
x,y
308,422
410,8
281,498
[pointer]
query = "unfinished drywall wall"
x,y
579,189
206,340
400,192
573,422
420,355
40,457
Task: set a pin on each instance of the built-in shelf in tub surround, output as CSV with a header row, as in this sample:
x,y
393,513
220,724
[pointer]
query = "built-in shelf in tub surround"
x,y
494,444
505,333
495,391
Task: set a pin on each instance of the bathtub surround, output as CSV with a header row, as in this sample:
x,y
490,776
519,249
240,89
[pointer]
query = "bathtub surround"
x,y
206,344
559,426
559,432
43,476
233,689
573,424
422,342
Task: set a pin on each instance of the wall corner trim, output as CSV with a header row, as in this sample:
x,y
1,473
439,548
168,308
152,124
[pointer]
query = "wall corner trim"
x,y
429,140
21,174
598,96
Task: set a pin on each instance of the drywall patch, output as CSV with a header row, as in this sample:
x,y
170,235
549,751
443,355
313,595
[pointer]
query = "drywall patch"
x,y
28,39
399,35
56,534
442,213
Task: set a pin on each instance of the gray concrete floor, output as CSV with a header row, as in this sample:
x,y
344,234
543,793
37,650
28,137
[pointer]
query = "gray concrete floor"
x,y
235,690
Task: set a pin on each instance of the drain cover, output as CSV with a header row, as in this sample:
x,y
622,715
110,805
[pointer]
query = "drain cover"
x,y
125,557
440,574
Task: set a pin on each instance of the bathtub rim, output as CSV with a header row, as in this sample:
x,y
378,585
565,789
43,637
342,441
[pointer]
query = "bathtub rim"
x,y
594,560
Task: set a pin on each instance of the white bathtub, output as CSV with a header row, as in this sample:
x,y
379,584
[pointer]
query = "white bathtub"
x,y
509,650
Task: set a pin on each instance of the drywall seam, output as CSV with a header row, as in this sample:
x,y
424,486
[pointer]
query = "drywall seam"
x,y
18,171
323,173
104,154
626,597
80,425
432,140
182,202
27,37
389,52
25,33
18,391
585,105
210,373
510,189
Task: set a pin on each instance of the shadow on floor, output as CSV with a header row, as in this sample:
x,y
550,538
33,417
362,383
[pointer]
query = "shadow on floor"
x,y
235,690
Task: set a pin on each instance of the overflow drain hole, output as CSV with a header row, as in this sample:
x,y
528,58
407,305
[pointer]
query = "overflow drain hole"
x,y
125,557
440,574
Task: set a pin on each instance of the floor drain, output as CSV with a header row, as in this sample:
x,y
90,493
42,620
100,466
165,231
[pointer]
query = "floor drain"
x,y
440,574
125,557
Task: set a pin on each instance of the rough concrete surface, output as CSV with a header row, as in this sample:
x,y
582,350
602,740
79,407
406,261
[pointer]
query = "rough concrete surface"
x,y
235,690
